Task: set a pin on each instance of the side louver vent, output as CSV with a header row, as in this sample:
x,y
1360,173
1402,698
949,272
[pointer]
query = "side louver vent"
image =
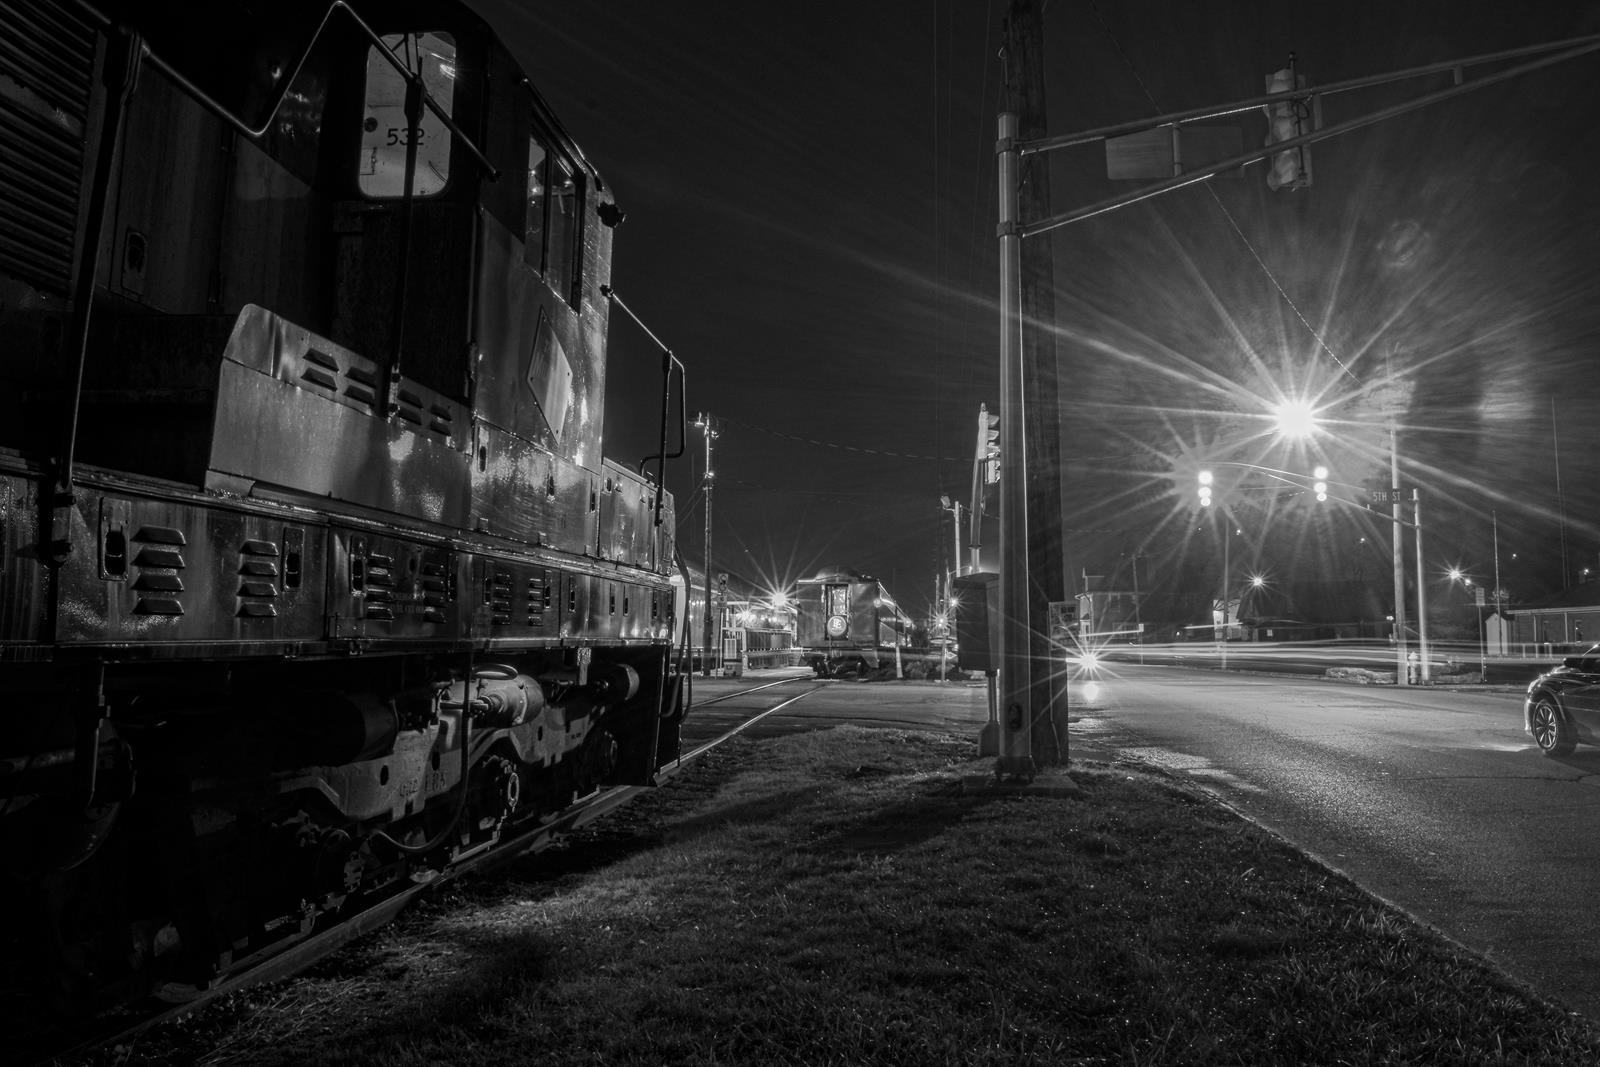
x,y
46,74
258,579
158,562
422,412
506,607
436,591
380,586
538,598
497,594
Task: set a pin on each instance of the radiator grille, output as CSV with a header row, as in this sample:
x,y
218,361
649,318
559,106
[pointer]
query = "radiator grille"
x,y
46,72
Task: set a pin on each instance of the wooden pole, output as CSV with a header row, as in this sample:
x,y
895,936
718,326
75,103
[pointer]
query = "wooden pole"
x,y
1046,574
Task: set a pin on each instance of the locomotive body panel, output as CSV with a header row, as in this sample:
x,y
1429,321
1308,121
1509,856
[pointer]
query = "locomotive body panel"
x,y
540,375
279,434
528,493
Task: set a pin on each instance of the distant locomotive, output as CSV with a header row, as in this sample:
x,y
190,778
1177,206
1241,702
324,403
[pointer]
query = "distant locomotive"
x,y
314,579
848,623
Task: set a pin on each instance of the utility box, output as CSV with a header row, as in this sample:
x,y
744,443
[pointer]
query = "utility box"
x,y
733,654
978,621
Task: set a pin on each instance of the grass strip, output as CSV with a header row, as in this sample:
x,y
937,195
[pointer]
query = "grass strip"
x,y
834,898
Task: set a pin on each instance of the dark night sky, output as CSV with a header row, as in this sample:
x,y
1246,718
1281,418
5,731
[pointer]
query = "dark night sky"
x,y
811,205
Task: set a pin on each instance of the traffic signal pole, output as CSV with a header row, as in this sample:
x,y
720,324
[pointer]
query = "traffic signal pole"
x,y
1401,677
706,423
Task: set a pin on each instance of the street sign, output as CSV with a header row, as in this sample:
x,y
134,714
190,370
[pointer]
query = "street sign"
x,y
1386,496
1150,153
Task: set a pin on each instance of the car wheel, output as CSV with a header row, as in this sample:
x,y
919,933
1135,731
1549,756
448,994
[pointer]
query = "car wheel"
x,y
1551,731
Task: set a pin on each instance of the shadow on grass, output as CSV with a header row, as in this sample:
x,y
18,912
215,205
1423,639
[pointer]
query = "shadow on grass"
x,y
453,994
899,826
764,809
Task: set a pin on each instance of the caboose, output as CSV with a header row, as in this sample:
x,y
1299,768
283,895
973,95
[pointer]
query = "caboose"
x,y
847,622
315,579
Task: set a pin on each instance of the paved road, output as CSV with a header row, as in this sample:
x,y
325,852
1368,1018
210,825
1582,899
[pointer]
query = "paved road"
x,y
1434,799
721,702
1310,658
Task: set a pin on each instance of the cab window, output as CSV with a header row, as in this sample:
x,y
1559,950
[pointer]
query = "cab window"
x,y
554,209
385,132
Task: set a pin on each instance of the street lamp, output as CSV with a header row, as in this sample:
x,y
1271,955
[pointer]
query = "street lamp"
x,y
1295,419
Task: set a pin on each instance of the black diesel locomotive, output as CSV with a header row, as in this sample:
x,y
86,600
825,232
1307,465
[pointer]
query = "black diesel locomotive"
x,y
313,579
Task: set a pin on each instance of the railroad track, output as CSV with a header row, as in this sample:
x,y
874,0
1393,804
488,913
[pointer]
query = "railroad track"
x,y
284,960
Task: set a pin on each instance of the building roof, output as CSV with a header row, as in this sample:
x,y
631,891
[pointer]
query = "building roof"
x,y
1585,595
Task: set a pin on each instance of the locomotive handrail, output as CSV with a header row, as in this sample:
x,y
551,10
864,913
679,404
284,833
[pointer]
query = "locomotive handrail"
x,y
668,362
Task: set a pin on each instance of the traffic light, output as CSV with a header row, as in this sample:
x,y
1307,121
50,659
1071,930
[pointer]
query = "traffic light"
x,y
989,444
1205,489
1320,486
1292,168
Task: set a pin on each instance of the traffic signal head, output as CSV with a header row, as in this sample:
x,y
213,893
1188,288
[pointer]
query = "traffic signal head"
x,y
1320,486
989,444
1292,168
1205,489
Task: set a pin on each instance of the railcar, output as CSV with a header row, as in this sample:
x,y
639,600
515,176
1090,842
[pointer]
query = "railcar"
x,y
847,622
315,579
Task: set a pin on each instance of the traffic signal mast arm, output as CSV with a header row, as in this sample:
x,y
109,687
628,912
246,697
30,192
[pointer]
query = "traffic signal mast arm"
x,y
1572,48
1317,483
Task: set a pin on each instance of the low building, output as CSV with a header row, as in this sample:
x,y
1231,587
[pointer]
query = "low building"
x,y
1568,620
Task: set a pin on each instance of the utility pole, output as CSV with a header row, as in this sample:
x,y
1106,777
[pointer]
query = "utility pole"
x,y
1227,567
708,426
1138,611
1499,607
1038,691
1422,592
1399,559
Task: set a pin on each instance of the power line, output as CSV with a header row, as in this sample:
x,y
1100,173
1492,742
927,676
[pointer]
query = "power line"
x,y
841,447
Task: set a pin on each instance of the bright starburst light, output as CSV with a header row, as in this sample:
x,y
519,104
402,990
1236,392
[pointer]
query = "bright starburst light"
x,y
1295,419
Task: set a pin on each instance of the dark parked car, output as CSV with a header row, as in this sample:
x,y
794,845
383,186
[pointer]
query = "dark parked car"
x,y
1563,705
